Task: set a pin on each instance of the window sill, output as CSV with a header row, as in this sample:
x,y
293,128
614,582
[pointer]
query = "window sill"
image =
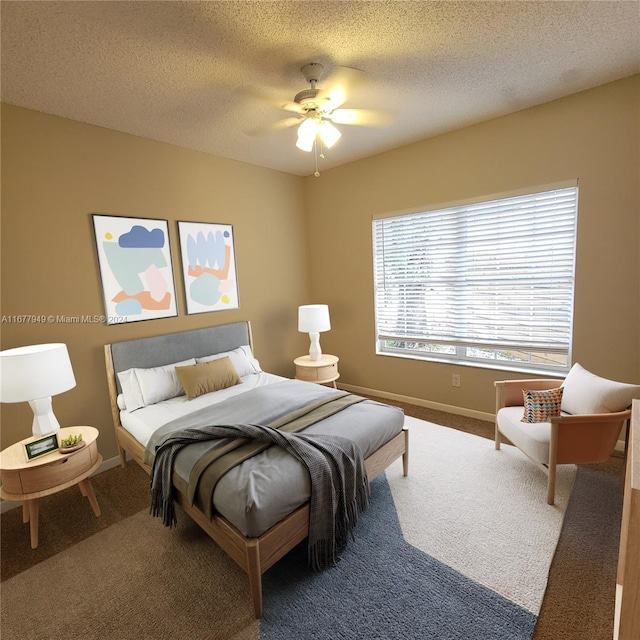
x,y
494,366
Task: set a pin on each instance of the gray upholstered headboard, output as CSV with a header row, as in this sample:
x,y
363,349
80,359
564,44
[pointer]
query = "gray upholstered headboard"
x,y
173,347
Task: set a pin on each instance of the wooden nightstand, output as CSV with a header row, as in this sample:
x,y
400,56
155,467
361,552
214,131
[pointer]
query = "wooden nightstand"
x,y
27,482
320,371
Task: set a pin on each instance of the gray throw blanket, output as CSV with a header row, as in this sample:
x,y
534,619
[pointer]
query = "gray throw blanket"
x,y
339,483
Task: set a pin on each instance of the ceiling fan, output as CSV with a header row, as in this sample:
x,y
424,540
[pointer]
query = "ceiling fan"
x,y
317,110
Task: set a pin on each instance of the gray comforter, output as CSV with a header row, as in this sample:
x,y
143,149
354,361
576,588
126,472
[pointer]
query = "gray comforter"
x,y
262,490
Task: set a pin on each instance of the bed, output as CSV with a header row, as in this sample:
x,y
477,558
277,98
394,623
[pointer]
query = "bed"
x,y
254,532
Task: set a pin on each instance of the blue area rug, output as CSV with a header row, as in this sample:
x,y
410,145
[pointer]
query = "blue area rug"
x,y
383,588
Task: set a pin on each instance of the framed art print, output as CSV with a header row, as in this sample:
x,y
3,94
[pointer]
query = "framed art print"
x,y
41,447
135,268
208,266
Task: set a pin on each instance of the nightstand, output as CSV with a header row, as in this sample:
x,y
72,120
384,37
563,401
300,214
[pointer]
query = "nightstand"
x,y
320,371
27,482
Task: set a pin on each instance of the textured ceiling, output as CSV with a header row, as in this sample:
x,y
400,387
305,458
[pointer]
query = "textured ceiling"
x,y
201,74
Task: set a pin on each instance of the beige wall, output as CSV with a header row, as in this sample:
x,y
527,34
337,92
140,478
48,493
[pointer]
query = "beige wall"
x,y
56,172
593,136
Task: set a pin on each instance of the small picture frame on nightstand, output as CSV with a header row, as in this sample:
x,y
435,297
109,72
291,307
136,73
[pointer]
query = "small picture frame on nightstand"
x,y
41,447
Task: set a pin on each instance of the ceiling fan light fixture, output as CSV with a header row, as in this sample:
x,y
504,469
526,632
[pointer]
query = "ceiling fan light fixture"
x,y
307,132
329,134
305,144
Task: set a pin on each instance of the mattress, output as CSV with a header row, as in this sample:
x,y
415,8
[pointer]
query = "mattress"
x,y
261,491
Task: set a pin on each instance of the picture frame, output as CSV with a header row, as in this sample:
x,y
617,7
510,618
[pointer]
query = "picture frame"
x,y
209,271
41,447
136,270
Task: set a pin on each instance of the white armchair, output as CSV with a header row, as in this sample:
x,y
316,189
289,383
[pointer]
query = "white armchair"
x,y
594,410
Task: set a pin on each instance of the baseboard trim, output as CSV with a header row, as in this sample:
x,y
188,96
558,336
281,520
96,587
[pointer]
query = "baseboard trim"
x,y
438,406
7,505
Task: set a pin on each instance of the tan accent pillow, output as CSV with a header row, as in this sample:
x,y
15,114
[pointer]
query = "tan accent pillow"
x,y
206,377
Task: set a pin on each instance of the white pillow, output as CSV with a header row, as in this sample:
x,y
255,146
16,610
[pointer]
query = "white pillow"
x,y
242,359
586,393
142,387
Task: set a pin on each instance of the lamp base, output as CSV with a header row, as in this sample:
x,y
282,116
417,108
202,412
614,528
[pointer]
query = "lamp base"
x,y
44,421
315,352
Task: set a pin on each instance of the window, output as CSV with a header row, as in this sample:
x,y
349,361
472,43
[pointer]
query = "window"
x,y
488,283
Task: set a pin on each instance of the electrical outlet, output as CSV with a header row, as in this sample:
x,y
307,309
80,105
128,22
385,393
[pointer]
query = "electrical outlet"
x,y
455,380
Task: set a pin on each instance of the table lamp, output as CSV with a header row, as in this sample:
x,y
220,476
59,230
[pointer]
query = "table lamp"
x,y
33,374
312,319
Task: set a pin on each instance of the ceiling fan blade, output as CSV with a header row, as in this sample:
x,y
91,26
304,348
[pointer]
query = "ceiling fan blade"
x,y
342,81
368,117
276,126
291,106
269,98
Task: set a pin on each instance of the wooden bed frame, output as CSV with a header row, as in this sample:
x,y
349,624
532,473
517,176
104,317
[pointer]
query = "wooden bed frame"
x,y
253,555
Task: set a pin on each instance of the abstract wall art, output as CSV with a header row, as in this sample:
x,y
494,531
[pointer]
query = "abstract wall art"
x,y
208,266
135,267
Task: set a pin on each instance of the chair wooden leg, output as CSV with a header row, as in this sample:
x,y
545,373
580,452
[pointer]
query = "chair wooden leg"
x,y
405,455
500,402
553,457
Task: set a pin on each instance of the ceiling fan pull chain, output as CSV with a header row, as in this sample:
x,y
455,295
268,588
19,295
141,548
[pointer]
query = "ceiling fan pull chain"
x,y
315,153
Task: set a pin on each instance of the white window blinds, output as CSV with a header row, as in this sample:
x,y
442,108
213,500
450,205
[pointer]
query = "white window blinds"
x,y
496,274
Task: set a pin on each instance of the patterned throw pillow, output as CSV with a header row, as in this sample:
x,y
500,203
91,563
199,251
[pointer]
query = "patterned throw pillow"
x,y
541,405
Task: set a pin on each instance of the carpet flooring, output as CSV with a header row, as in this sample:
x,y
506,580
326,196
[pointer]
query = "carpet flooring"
x,y
460,548
383,587
578,602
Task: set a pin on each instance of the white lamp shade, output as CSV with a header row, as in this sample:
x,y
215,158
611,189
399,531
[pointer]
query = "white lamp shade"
x,y
329,134
307,134
313,318
34,372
